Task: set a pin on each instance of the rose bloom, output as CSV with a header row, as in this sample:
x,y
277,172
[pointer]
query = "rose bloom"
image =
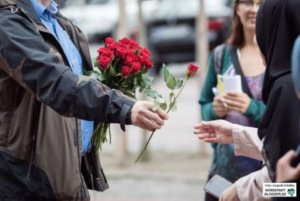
x,y
128,60
143,60
133,44
112,46
124,42
126,70
136,67
145,52
109,40
149,64
191,71
104,62
106,52
120,52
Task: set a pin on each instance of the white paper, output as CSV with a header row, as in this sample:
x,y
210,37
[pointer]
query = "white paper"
x,y
232,83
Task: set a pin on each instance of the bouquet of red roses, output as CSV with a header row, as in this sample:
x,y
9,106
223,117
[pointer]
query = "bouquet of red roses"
x,y
121,65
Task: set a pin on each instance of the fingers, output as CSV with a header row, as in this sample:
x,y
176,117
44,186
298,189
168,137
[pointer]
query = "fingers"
x,y
288,157
162,114
143,116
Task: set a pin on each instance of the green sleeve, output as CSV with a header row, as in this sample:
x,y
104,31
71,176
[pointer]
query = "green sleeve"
x,y
255,111
207,96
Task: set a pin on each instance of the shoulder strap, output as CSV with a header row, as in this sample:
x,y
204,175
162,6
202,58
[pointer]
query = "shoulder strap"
x,y
218,54
239,71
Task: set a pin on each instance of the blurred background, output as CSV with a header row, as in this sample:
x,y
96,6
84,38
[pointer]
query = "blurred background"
x,y
177,32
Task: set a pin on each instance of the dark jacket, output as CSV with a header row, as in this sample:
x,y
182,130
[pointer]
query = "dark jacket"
x,y
40,101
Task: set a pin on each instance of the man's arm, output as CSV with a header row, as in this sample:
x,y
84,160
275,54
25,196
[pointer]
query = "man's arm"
x,y
31,62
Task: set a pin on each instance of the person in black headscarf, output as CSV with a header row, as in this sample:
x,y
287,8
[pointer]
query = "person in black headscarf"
x,y
278,25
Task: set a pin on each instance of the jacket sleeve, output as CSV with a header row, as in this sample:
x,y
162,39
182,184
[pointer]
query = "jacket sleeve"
x,y
32,63
246,142
250,187
255,111
207,96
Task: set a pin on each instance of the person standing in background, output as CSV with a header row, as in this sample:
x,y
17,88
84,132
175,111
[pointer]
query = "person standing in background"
x,y
240,55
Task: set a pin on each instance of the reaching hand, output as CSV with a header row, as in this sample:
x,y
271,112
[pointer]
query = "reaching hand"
x,y
284,170
230,194
238,102
219,107
143,116
218,131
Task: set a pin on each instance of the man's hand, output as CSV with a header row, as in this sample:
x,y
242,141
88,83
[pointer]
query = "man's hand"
x,y
218,131
238,102
230,194
284,170
143,116
219,107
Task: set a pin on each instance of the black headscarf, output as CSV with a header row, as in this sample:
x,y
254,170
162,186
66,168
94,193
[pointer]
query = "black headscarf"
x,y
278,25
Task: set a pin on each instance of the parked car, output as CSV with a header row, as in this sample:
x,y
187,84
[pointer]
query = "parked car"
x,y
171,30
98,19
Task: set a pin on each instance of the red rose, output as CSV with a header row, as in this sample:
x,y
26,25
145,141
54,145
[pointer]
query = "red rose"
x,y
149,64
113,46
136,67
143,60
109,40
125,71
106,52
145,52
191,71
128,60
120,52
104,62
124,42
133,44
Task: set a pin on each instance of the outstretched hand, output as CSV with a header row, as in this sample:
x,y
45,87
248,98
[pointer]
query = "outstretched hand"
x,y
144,117
218,131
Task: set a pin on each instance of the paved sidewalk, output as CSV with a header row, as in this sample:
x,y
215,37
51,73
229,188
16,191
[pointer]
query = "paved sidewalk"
x,y
167,177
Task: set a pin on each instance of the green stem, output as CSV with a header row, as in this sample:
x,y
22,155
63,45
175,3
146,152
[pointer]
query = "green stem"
x,y
145,147
174,101
171,105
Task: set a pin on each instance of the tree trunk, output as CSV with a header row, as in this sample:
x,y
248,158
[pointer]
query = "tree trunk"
x,y
121,149
202,45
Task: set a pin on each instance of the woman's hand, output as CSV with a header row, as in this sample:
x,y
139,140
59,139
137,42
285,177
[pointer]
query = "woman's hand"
x,y
284,170
236,101
219,107
218,131
230,194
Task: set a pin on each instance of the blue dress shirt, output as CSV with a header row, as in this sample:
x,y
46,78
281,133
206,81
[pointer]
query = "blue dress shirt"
x,y
49,19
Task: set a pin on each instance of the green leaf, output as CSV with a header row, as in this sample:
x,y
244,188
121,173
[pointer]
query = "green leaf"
x,y
112,72
174,108
166,72
100,77
163,106
171,82
147,81
151,93
96,64
179,83
155,106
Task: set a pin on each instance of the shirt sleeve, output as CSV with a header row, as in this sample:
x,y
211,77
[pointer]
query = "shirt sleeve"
x,y
246,142
250,187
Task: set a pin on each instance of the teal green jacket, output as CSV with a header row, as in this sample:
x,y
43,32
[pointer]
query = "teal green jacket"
x,y
255,110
